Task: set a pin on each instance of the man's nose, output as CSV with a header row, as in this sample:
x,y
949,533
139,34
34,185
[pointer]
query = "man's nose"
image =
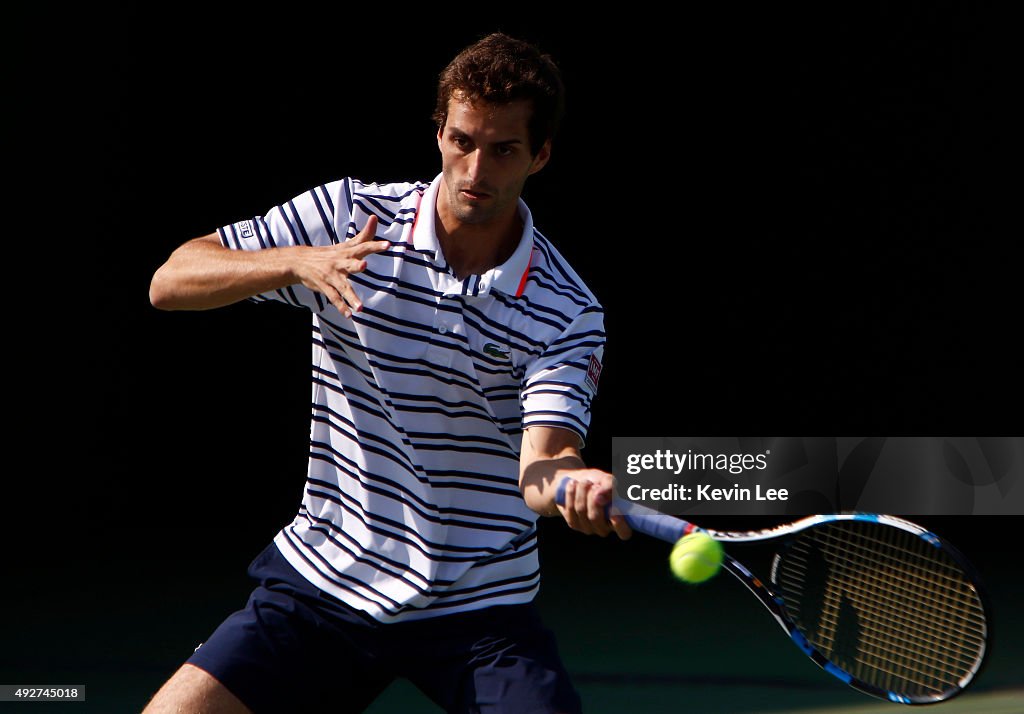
x,y
476,165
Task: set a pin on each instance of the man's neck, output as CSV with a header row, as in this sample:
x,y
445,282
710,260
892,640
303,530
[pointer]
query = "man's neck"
x,y
473,249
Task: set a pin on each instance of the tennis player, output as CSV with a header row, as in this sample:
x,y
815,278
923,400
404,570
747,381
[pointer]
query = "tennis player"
x,y
455,358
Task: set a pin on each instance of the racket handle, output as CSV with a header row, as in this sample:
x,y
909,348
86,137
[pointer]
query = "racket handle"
x,y
640,518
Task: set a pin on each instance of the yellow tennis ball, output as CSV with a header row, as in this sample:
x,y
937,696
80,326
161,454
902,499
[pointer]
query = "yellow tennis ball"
x,y
696,557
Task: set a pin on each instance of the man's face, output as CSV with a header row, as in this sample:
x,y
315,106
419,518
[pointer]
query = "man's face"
x,y
485,159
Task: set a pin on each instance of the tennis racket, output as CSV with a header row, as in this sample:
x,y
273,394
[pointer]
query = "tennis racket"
x,y
876,601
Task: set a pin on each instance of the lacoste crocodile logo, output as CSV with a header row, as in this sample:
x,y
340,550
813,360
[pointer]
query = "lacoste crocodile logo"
x,y
495,351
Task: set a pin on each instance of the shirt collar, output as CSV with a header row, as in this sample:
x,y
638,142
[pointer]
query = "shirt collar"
x,y
509,277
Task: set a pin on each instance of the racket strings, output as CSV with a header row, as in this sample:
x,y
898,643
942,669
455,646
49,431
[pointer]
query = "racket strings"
x,y
892,653
887,606
917,622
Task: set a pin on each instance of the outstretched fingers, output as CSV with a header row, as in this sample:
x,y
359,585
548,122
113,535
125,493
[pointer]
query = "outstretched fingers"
x,y
351,259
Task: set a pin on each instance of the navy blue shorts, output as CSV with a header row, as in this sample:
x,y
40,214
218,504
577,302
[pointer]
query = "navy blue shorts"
x,y
295,647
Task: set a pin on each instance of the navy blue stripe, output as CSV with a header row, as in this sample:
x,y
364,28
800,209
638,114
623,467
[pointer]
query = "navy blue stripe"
x,y
558,264
504,332
357,473
380,219
415,188
360,591
320,302
503,326
457,378
566,291
225,239
259,236
476,413
550,288
529,418
469,479
410,409
376,204
294,298
289,534
521,545
575,346
372,408
492,393
493,522
270,234
360,438
431,301
487,596
328,221
399,570
540,382
382,447
568,338
327,200
236,238
481,450
433,399
414,469
526,306
286,294
529,308
356,510
298,223
418,327
490,585
433,371
558,425
289,297
347,189
479,438
504,370
559,325
585,403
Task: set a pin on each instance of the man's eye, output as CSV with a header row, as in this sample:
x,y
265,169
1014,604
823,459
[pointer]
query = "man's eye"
x,y
460,141
505,150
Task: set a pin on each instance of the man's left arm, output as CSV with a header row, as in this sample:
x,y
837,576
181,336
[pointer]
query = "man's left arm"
x,y
550,454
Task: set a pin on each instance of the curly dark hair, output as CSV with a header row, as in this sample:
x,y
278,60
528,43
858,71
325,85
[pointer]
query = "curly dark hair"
x,y
500,69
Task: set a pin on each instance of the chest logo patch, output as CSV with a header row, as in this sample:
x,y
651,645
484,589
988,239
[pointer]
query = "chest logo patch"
x,y
496,351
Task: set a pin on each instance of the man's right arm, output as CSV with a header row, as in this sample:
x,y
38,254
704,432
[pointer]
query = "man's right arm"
x,y
202,274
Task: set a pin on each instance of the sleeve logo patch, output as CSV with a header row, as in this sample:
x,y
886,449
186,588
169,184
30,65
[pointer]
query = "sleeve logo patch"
x,y
245,229
593,372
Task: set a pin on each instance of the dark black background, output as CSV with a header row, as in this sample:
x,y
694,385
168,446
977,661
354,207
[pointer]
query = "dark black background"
x,y
778,209
791,216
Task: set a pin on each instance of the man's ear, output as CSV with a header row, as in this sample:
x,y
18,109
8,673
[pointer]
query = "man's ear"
x,y
541,159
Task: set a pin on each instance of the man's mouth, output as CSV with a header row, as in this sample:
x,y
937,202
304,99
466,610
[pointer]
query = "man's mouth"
x,y
474,195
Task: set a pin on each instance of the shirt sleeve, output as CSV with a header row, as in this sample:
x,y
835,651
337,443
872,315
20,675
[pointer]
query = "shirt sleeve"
x,y
314,218
560,384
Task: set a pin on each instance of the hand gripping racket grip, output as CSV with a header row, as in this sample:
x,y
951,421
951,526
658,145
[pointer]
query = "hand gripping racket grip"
x,y
640,518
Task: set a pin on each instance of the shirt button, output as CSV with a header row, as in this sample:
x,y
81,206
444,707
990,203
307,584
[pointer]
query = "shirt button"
x,y
442,329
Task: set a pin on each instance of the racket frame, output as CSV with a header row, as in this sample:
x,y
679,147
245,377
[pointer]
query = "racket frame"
x,y
671,528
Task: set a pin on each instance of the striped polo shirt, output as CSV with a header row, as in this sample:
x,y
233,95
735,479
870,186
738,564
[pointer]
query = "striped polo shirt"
x,y
412,506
